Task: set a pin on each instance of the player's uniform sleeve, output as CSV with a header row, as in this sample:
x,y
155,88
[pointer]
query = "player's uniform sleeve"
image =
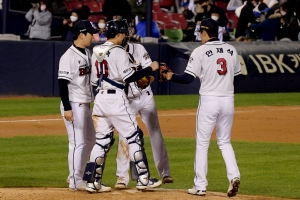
x,y
65,67
146,60
192,64
94,70
125,69
237,66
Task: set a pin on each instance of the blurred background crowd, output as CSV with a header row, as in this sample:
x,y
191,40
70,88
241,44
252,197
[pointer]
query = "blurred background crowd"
x,y
172,20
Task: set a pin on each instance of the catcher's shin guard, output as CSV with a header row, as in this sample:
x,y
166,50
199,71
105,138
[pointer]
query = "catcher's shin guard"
x,y
93,173
94,170
140,158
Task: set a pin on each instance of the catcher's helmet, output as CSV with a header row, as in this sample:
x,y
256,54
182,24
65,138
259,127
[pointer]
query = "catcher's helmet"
x,y
114,27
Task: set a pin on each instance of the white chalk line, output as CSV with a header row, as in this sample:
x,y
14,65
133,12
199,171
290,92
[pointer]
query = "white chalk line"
x,y
160,115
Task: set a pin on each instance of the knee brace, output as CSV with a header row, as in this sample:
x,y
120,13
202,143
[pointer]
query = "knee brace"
x,y
140,158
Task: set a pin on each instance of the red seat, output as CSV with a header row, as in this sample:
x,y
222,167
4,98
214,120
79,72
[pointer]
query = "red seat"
x,y
156,7
167,3
164,19
221,4
179,18
232,19
95,18
73,5
94,6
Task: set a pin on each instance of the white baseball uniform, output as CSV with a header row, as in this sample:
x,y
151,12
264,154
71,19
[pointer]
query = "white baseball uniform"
x,y
111,106
215,63
142,102
75,67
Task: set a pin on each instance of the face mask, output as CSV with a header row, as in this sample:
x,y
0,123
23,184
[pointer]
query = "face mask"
x,y
204,7
101,25
73,18
43,7
215,17
283,13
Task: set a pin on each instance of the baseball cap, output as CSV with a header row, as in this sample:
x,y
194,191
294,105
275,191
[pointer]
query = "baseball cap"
x,y
209,24
85,26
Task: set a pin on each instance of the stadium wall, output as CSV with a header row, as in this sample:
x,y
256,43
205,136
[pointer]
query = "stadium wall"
x,y
30,67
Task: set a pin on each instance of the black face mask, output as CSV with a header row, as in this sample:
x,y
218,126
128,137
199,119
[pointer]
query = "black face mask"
x,y
204,7
125,40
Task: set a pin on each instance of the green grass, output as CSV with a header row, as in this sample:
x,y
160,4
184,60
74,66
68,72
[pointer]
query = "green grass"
x,y
46,106
267,169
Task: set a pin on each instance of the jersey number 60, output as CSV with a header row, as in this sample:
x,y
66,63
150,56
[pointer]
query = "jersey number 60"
x,y
223,70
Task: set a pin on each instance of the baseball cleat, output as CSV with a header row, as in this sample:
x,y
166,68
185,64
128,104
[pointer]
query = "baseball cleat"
x,y
120,184
167,179
80,187
91,188
154,182
233,187
140,186
196,192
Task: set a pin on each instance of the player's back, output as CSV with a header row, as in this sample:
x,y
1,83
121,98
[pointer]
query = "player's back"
x,y
219,62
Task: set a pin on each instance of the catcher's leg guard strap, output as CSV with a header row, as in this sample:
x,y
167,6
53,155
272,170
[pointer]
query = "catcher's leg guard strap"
x,y
140,158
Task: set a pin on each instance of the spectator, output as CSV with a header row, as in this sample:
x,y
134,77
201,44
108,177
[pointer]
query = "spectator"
x,y
245,18
85,12
289,27
117,17
66,28
268,28
116,7
40,16
141,29
215,15
188,34
208,8
101,36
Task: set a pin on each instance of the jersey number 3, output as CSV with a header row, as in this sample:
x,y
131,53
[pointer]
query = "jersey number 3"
x,y
222,63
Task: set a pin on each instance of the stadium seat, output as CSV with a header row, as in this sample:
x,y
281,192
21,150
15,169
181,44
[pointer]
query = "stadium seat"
x,y
94,6
222,5
164,19
95,18
73,5
167,3
232,19
179,18
174,35
155,7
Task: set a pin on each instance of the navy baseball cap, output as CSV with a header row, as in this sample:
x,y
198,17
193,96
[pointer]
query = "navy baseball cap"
x,y
209,24
85,26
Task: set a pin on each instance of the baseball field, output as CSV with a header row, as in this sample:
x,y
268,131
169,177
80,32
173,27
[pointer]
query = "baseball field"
x,y
265,137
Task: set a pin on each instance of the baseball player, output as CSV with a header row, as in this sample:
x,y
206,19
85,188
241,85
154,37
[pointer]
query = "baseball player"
x,y
76,96
111,107
142,102
216,64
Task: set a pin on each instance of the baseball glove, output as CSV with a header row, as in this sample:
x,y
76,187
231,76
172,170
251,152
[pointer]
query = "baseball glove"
x,y
143,82
163,69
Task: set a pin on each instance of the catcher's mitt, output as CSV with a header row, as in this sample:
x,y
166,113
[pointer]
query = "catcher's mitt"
x,y
143,82
163,69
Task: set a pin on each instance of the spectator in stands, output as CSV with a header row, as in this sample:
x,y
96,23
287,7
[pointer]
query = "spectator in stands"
x,y
101,36
141,28
66,28
40,16
208,8
85,12
246,17
114,7
188,34
215,15
117,17
289,27
268,28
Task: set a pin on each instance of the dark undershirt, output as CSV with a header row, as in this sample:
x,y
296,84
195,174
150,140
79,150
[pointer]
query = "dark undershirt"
x,y
139,74
82,50
184,78
64,93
